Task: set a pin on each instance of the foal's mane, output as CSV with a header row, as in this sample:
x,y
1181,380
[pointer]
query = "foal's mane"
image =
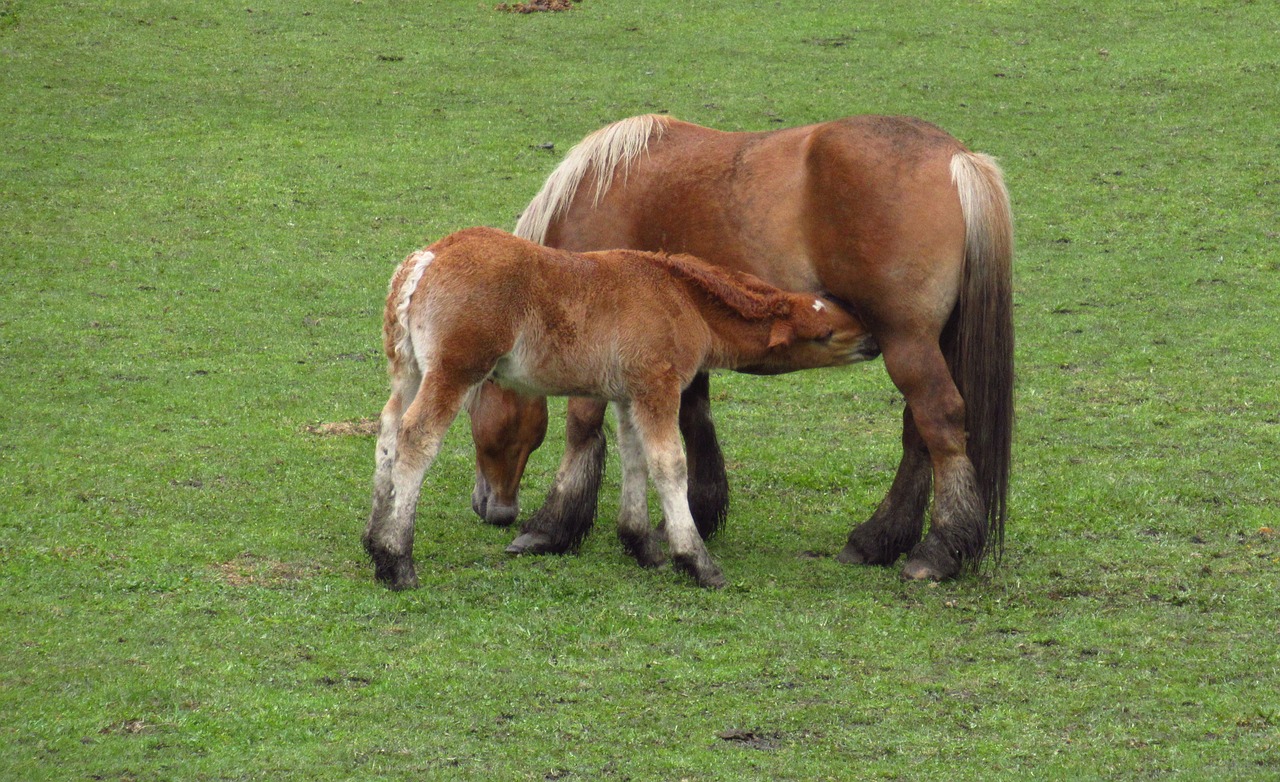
x,y
747,296
602,153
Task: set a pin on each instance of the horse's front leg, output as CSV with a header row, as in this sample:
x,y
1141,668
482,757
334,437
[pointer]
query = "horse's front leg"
x,y
708,483
654,417
634,530
898,522
569,511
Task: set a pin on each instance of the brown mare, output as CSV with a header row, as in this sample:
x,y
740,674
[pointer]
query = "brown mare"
x,y
891,214
629,327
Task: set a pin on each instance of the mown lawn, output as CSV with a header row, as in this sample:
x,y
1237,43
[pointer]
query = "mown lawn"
x,y
200,205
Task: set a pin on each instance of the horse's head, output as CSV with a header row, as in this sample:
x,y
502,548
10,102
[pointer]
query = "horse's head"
x,y
819,332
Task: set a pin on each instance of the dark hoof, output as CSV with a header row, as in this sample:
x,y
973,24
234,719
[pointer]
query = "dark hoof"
x,y
500,515
646,548
930,562
916,570
706,574
396,573
531,543
868,544
852,555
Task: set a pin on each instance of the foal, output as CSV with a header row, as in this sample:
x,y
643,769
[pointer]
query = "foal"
x,y
629,327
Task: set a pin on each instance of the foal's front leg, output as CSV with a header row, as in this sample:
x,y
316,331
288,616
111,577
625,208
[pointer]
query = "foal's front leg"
x,y
634,530
655,420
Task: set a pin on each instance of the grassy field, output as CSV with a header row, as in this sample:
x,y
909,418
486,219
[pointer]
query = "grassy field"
x,y
201,203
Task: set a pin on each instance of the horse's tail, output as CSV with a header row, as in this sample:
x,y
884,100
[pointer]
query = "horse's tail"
x,y
397,342
980,344
603,153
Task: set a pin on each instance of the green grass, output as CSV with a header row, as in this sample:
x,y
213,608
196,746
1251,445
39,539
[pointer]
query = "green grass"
x,y
200,205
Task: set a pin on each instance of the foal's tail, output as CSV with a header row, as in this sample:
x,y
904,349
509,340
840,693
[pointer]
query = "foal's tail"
x,y
603,152
396,340
980,344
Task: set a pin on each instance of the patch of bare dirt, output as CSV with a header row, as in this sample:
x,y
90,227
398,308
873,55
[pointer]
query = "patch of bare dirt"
x,y
751,739
252,570
358,427
534,6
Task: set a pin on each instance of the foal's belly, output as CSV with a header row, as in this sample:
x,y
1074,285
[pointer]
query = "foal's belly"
x,y
577,375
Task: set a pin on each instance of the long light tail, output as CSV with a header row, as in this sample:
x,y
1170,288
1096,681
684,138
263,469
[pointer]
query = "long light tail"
x,y
980,347
602,153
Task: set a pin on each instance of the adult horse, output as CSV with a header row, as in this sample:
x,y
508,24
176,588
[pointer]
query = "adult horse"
x,y
891,214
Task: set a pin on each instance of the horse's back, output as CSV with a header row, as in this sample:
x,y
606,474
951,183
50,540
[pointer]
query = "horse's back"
x,y
849,206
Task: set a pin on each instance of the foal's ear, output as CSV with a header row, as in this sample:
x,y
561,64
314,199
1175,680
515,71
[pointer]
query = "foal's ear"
x,y
781,334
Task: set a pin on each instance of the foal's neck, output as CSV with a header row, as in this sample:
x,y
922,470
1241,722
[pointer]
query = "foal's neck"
x,y
737,340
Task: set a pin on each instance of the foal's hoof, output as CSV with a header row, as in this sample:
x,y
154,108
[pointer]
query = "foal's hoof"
x,y
396,573
707,575
531,543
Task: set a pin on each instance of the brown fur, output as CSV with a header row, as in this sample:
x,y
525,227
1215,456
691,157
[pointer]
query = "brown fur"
x,y
630,327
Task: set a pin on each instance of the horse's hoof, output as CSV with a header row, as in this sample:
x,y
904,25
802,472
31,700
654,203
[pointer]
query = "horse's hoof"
x,y
931,561
530,543
646,548
920,569
852,555
500,515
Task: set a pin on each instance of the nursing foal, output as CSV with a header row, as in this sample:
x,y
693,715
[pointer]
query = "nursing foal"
x,y
629,327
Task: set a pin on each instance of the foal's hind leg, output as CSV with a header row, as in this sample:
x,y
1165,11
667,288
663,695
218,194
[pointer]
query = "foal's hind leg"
x,y
389,536
404,387
898,522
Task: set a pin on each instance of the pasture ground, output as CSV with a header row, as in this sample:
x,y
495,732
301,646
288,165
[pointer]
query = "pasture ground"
x,y
200,205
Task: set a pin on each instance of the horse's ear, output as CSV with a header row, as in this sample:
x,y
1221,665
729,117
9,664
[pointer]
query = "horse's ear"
x,y
781,334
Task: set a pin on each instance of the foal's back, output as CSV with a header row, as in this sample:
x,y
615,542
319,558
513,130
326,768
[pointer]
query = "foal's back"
x,y
555,323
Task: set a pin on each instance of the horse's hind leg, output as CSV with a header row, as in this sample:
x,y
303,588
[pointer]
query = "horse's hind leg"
x,y
708,484
957,532
897,524
569,511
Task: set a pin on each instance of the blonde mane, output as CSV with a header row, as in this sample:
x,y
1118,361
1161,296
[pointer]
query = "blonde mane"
x,y
602,152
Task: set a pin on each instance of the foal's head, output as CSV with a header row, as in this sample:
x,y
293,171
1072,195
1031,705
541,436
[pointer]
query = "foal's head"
x,y
818,332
